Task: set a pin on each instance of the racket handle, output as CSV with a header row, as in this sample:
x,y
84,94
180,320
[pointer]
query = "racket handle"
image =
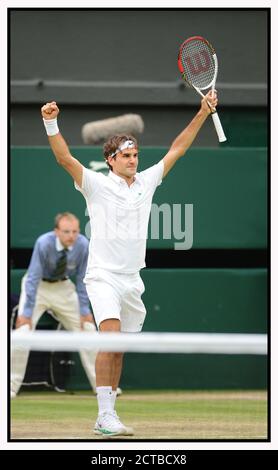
x,y
218,127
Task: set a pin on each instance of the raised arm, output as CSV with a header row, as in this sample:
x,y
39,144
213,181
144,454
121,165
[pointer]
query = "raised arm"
x,y
57,143
184,140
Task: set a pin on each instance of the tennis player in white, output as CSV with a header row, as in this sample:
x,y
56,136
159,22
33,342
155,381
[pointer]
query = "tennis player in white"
x,y
119,206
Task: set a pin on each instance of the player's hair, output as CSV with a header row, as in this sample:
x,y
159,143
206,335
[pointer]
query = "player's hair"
x,y
113,144
64,215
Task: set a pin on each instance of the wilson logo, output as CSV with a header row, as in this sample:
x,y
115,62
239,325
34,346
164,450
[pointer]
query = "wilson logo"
x,y
198,63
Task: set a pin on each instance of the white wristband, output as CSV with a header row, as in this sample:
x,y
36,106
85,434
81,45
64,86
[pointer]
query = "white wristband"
x,y
51,126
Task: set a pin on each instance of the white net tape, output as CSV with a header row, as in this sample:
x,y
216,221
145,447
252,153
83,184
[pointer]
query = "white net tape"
x,y
191,343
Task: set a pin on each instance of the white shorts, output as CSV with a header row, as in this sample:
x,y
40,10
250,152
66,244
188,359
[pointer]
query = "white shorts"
x,y
115,295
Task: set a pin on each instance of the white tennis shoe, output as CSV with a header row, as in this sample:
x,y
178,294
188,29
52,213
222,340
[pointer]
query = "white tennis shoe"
x,y
109,424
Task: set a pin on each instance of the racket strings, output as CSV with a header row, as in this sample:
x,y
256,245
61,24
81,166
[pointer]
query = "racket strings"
x,y
198,63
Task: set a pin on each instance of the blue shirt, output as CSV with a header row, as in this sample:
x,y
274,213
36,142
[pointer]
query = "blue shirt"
x,y
43,263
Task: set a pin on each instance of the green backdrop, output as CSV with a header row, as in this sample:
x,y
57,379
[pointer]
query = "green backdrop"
x,y
193,300
228,190
227,187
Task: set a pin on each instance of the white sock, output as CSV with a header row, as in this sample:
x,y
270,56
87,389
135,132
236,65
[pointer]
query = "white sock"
x,y
113,398
104,398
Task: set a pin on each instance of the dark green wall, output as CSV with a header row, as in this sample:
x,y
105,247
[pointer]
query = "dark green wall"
x,y
227,187
200,300
208,300
244,126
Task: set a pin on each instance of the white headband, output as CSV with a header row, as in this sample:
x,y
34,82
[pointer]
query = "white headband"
x,y
128,144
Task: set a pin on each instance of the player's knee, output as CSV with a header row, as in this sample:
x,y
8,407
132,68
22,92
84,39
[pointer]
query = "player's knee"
x,y
110,324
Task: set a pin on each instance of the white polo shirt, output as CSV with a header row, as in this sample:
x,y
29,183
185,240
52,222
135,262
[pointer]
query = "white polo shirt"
x,y
119,216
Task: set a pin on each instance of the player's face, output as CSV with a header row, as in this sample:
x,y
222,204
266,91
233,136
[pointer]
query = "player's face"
x,y
68,231
125,163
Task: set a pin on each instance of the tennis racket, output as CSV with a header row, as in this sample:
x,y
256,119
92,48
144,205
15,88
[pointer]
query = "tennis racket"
x,y
197,62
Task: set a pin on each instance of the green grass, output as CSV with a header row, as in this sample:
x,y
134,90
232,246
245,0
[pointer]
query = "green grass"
x,y
155,415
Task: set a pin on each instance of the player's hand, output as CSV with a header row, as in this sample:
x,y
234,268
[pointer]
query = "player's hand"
x,y
209,102
22,320
50,110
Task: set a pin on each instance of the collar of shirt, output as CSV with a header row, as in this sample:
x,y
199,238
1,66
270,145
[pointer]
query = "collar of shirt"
x,y
120,180
60,247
